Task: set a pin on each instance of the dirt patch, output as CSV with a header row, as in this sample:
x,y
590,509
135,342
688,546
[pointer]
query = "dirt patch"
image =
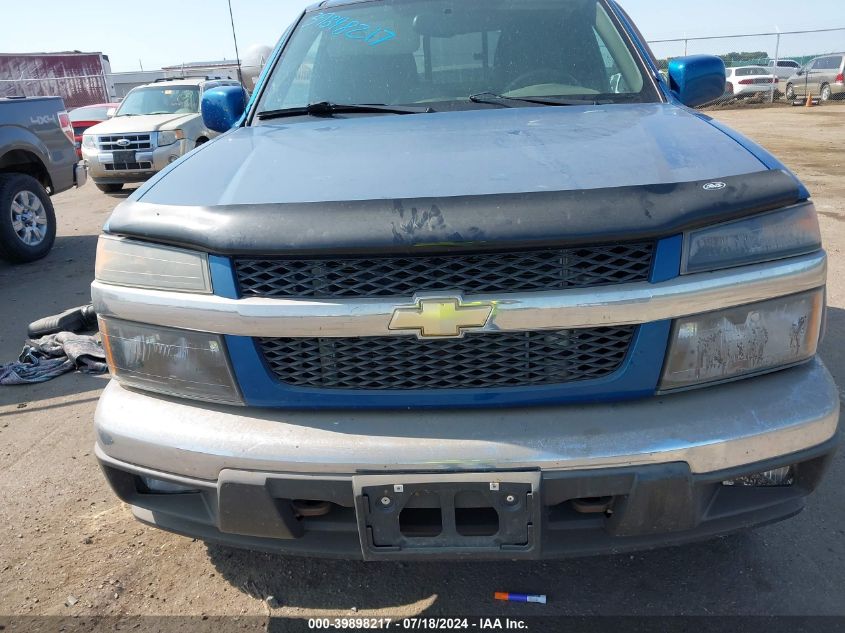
x,y
807,140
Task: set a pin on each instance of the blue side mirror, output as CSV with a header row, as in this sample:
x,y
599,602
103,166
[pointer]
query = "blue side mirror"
x,y
697,79
223,107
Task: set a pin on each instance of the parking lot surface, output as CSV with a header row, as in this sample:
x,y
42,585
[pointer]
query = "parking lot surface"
x,y
64,534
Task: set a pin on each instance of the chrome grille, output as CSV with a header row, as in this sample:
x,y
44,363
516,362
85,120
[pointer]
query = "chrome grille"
x,y
136,142
402,276
477,361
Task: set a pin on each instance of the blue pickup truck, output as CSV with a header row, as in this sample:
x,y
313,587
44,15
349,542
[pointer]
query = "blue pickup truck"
x,y
466,280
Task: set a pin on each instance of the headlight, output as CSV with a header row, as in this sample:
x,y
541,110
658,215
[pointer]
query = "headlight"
x,y
126,263
88,141
746,340
783,233
169,137
165,360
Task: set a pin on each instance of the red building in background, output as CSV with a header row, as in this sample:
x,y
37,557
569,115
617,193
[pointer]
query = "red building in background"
x,y
79,78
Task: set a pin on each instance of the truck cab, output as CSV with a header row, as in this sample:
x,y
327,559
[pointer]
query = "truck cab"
x,y
465,280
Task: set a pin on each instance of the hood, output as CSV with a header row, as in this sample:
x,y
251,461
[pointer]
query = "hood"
x,y
144,123
528,177
469,153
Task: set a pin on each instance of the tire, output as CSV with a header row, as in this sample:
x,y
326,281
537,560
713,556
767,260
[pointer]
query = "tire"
x,y
27,219
110,188
790,92
826,92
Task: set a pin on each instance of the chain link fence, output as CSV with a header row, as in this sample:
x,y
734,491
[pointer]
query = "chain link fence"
x,y
774,69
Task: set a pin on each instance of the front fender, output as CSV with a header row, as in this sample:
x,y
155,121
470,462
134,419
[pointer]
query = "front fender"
x,y
194,128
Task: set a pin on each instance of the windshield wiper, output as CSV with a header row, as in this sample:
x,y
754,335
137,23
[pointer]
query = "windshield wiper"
x,y
328,110
492,97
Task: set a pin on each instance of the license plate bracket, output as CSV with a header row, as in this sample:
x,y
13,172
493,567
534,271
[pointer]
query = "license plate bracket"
x,y
124,156
465,515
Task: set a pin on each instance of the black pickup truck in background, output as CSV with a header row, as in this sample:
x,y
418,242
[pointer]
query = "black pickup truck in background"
x,y
37,160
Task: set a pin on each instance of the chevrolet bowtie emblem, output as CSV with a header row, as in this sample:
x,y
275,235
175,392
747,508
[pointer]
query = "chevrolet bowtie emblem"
x,y
440,318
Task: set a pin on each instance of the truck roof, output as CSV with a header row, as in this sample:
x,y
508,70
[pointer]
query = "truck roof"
x,y
187,81
17,99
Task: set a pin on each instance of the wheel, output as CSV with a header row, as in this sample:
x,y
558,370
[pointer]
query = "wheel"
x,y
826,92
27,219
110,188
790,92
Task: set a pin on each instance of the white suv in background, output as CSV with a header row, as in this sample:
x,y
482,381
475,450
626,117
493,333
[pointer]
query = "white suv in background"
x,y
154,126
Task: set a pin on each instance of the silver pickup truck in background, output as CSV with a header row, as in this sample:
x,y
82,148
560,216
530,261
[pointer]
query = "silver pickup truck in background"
x,y
37,160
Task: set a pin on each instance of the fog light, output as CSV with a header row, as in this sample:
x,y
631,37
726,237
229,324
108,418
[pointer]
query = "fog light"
x,y
165,360
161,487
743,341
780,477
172,159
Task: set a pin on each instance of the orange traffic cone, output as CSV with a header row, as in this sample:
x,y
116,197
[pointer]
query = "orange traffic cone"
x,y
810,103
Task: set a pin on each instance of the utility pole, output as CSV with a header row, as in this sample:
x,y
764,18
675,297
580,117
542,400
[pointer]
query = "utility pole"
x,y
775,68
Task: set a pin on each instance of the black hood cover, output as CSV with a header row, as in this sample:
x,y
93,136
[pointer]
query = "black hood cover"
x,y
534,219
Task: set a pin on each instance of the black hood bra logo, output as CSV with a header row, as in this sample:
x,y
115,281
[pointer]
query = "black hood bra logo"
x,y
714,186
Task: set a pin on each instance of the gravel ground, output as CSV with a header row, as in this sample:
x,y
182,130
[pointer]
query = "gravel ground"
x,y
69,548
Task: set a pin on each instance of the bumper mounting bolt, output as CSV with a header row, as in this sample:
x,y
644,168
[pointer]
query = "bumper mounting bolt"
x,y
385,501
510,499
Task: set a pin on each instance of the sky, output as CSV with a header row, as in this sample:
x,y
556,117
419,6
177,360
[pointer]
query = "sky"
x,y
156,33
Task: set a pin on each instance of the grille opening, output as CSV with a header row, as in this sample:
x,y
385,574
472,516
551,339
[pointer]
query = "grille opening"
x,y
402,276
303,508
337,519
421,522
153,486
592,505
564,516
477,361
127,166
482,521
135,142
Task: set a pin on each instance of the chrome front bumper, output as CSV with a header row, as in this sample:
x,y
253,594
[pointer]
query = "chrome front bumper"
x,y
714,429
157,157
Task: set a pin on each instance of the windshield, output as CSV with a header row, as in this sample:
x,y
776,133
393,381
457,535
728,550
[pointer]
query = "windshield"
x,y
161,100
440,52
